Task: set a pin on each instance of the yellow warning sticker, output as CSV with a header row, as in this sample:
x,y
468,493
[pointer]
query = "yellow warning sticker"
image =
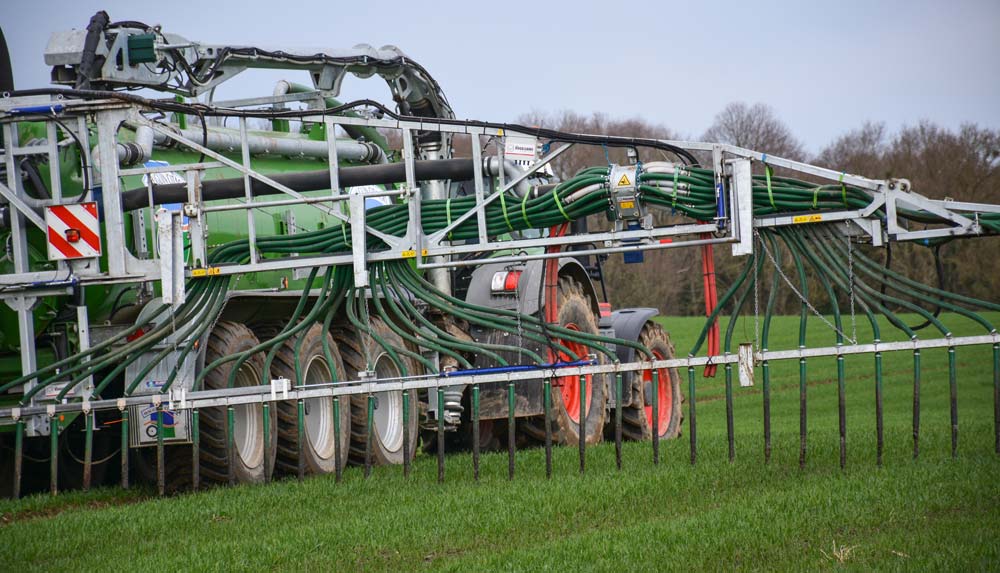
x,y
627,205
411,254
807,219
208,272
624,182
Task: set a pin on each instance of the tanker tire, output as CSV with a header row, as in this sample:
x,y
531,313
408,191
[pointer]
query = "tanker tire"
x,y
354,347
636,421
319,452
227,338
575,310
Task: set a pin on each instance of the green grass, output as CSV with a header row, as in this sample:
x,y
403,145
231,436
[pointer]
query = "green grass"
x,y
935,513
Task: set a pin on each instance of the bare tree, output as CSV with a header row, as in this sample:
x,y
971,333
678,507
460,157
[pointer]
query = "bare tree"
x,y
754,127
963,165
861,151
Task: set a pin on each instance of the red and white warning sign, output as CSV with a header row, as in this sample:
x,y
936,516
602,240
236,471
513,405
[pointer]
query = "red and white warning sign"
x,y
73,231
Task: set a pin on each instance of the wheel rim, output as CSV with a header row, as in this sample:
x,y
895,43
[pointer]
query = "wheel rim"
x,y
388,416
247,421
664,396
569,386
319,411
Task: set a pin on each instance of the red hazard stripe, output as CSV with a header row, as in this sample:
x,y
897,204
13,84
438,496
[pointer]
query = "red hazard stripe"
x,y
86,233
60,244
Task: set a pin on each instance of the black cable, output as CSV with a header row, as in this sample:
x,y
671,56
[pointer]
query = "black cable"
x,y
83,158
204,136
202,109
35,179
114,305
129,24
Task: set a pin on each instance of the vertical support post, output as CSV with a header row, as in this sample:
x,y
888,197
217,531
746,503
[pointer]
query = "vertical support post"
x,y
53,454
618,420
583,422
333,162
406,433
19,254
161,469
802,412
230,436
440,434
196,449
18,458
338,466
729,412
475,432
266,415
656,417
368,435
953,385
842,409
511,429
996,397
879,427
766,390
300,441
692,416
88,448
359,238
83,342
477,180
547,404
248,194
52,139
916,403
124,447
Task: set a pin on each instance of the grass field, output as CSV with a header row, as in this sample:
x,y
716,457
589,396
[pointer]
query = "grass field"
x,y
934,513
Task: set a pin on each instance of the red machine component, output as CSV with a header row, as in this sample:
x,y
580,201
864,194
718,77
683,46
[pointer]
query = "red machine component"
x,y
711,301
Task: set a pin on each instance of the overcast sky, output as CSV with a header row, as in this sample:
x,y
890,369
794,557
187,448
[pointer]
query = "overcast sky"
x,y
824,67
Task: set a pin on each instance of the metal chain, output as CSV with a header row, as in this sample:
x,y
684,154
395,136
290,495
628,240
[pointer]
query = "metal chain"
x,y
803,299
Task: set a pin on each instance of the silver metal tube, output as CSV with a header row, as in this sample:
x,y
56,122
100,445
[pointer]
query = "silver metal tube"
x,y
130,152
223,140
510,171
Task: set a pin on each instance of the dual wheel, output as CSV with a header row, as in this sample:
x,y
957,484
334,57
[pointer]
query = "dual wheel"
x,y
310,357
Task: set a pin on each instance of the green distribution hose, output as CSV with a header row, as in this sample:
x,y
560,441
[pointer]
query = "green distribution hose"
x,y
689,191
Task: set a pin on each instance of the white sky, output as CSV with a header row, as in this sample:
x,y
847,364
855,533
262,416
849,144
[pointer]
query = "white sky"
x,y
825,67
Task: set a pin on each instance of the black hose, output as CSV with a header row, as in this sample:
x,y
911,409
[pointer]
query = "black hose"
x,y
6,70
90,65
213,190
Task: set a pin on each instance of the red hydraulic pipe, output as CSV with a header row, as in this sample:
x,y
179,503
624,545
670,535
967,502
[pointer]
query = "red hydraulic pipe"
x,y
552,283
711,301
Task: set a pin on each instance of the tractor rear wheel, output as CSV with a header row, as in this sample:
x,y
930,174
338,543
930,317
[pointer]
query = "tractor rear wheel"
x,y
637,417
361,353
575,313
320,446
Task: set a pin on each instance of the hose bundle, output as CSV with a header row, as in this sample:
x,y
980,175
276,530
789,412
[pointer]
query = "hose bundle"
x,y
398,291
